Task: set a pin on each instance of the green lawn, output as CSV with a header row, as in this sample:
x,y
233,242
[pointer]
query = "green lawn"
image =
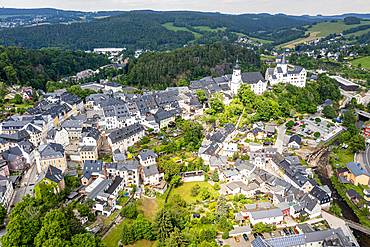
x,y
115,234
206,28
261,40
344,156
364,61
170,26
263,58
23,106
184,191
359,189
148,207
359,33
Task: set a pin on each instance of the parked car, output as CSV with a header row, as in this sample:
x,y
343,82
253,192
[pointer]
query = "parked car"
x,y
196,216
245,237
272,234
261,235
317,229
237,239
255,235
291,231
286,231
281,233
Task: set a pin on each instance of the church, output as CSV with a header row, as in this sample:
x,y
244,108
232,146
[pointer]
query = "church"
x,y
296,76
254,79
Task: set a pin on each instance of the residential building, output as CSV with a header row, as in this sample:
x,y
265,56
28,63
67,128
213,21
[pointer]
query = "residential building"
x,y
52,177
147,158
357,174
88,153
35,133
229,149
51,154
295,141
123,138
6,191
74,128
150,175
255,133
14,158
270,216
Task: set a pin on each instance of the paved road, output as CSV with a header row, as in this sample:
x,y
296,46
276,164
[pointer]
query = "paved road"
x,y
348,98
25,187
280,138
363,158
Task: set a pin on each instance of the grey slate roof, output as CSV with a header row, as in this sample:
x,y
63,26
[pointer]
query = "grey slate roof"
x,y
92,166
144,155
51,150
12,153
295,138
150,170
125,132
252,77
52,173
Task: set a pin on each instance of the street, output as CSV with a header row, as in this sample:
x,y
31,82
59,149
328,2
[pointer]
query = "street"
x,y
26,185
280,138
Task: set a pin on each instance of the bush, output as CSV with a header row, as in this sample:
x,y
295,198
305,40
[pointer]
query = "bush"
x,y
289,124
317,120
317,134
225,235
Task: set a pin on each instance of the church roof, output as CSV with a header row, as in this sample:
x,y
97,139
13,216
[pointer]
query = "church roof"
x,y
283,60
237,64
252,77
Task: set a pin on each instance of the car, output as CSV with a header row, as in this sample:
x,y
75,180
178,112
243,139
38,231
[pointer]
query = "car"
x,y
294,129
261,235
237,239
295,230
281,233
245,237
31,184
286,231
255,235
295,124
291,231
196,216
272,234
317,229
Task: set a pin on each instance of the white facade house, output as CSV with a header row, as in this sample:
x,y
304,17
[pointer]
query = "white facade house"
x,y
281,74
256,81
147,158
270,216
7,191
229,149
121,139
150,175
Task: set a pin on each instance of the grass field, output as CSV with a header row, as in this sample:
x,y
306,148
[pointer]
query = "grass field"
x,y
261,40
321,30
24,106
148,207
170,26
115,234
364,61
359,33
206,28
344,156
263,58
184,191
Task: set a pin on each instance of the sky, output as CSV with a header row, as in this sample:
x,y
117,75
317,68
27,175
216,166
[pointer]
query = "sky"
x,y
293,7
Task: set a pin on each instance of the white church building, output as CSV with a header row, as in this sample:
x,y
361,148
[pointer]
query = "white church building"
x,y
254,79
281,74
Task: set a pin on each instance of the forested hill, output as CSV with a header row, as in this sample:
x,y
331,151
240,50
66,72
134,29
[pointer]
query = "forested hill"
x,y
160,70
144,29
36,67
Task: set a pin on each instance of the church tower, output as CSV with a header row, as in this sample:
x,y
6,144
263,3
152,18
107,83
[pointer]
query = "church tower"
x,y
283,64
236,79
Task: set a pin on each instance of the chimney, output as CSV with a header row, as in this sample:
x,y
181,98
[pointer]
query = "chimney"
x,y
256,206
258,169
55,148
166,95
105,171
196,171
51,172
153,98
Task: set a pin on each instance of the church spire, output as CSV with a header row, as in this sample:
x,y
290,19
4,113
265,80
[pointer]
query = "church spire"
x,y
237,64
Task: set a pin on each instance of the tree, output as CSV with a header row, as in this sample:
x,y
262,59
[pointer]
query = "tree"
x,y
85,240
195,190
357,143
216,186
83,209
170,168
215,176
260,227
164,223
206,235
225,235
20,232
216,104
17,99
221,208
317,134
3,90
289,124
246,95
126,235
89,202
223,224
204,193
335,209
317,119
3,214
175,180
235,156
130,211
329,112
202,96
176,239
54,225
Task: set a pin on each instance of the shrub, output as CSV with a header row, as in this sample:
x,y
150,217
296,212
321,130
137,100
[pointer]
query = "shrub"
x,y
317,134
225,235
317,120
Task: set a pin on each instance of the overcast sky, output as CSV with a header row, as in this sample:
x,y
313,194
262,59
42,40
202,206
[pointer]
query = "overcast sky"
x,y
295,7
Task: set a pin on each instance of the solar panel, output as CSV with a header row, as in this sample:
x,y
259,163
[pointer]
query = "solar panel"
x,y
292,240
